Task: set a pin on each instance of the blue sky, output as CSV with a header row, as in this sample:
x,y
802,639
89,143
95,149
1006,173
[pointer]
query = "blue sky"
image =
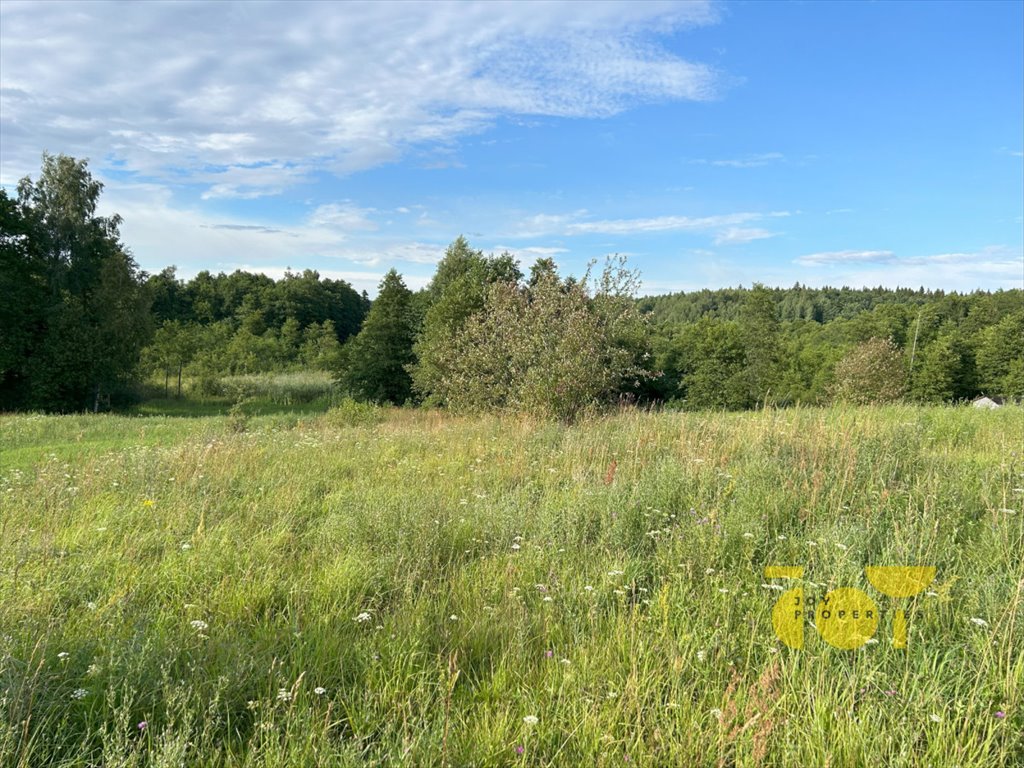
x,y
717,144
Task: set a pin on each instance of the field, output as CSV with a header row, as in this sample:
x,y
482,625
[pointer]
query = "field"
x,y
401,587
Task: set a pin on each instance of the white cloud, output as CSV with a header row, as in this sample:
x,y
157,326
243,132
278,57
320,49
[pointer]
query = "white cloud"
x,y
267,92
342,216
546,224
990,268
668,223
337,238
738,235
750,161
843,257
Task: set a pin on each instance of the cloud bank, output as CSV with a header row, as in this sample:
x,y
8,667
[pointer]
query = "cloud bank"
x,y
248,99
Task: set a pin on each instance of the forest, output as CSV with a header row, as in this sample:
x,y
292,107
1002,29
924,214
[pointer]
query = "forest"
x,y
82,327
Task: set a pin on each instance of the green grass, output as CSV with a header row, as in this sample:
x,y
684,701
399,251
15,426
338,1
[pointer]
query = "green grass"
x,y
207,575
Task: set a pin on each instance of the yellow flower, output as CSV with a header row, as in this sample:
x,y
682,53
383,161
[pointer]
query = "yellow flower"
x,y
148,503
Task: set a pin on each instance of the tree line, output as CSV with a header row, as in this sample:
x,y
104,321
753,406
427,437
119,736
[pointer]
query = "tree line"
x,y
81,324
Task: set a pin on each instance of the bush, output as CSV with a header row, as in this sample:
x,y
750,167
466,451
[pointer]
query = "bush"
x,y
282,388
353,413
551,349
871,373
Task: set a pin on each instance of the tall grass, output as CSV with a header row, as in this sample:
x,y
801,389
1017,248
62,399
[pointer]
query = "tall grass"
x,y
349,590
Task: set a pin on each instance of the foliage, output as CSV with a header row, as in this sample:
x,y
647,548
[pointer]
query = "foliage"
x,y
76,315
549,348
373,365
354,413
1001,357
458,291
872,372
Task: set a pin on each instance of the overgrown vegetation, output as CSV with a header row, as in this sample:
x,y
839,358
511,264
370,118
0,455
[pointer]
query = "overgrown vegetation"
x,y
83,326
401,587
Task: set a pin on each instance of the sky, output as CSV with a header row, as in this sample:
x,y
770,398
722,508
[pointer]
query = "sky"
x,y
715,144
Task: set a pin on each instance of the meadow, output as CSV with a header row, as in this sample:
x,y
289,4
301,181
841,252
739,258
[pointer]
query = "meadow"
x,y
368,587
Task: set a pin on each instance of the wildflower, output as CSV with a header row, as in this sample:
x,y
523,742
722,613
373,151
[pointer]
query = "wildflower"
x,y
520,749
548,654
199,625
1000,714
148,503
723,590
980,622
142,725
93,670
548,599
453,617
283,694
63,655
186,547
362,617
91,606
776,587
890,693
319,690
566,662
748,535
531,720
708,571
716,713
935,718
588,588
616,573
929,593
515,547
871,641
79,693
700,655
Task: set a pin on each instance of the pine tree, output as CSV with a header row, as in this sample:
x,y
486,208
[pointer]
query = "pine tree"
x,y
374,363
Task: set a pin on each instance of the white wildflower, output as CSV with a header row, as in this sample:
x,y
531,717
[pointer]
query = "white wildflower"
x,y
79,693
199,625
283,694
319,690
362,617
531,719
979,622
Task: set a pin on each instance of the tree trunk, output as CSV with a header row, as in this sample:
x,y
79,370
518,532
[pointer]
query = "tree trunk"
x,y
179,381
96,401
